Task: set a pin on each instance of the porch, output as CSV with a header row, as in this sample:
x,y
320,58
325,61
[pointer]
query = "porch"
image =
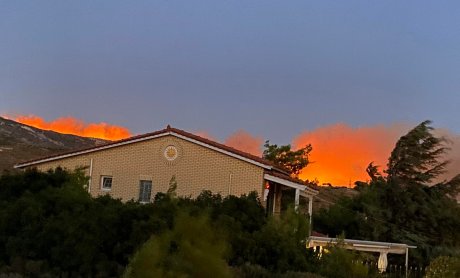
x,y
282,191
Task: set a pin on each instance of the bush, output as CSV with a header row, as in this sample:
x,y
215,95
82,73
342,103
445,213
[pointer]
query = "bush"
x,y
445,267
191,249
50,224
337,262
256,271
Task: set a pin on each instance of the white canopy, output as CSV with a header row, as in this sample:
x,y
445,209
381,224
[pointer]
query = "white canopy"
x,y
383,248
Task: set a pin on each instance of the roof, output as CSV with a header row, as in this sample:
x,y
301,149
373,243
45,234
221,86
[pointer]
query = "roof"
x,y
362,245
290,181
266,164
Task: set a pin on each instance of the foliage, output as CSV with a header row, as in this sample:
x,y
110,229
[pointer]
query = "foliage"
x,y
293,161
446,267
339,218
256,271
191,249
402,207
373,172
50,224
277,244
338,262
172,187
280,245
416,157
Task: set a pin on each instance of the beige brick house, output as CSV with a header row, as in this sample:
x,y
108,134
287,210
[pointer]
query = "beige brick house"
x,y
139,167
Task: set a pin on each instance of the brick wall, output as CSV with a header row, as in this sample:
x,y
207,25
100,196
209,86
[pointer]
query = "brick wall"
x,y
196,168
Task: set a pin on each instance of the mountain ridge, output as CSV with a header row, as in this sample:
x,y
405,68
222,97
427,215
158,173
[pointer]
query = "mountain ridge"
x,y
20,142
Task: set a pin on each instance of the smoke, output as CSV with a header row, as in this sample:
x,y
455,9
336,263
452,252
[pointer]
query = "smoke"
x,y
341,153
244,141
452,155
205,135
70,125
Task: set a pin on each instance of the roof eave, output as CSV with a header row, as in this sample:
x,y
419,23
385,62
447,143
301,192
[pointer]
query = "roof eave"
x,y
304,188
168,131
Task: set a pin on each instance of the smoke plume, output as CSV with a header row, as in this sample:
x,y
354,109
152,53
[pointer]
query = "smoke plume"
x,y
246,142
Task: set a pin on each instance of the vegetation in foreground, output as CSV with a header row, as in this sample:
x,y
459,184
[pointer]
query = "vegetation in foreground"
x,y
49,225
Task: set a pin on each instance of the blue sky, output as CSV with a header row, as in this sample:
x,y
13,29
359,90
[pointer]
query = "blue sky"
x,y
273,68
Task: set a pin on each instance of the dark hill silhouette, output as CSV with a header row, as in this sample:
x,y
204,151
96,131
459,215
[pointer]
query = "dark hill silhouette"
x,y
19,142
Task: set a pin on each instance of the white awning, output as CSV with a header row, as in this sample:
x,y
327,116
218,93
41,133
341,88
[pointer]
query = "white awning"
x,y
305,190
362,245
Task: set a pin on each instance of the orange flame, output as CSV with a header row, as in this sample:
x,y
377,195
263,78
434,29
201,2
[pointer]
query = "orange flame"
x,y
70,125
341,153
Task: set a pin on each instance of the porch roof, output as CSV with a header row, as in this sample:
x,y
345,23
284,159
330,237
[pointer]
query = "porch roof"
x,y
290,182
362,245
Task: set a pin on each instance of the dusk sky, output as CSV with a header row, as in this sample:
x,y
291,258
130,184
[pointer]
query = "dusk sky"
x,y
273,68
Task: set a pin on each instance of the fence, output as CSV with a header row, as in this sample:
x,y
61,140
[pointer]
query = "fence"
x,y
395,271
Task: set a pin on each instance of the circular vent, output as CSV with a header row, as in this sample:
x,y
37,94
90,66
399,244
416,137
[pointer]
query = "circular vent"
x,y
171,153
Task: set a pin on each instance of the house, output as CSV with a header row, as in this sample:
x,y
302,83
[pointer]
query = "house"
x,y
139,167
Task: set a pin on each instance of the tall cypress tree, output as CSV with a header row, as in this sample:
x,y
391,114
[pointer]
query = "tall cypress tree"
x,y
416,157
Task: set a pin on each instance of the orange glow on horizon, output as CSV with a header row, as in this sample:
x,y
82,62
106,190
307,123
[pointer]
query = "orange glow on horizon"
x,y
70,125
342,153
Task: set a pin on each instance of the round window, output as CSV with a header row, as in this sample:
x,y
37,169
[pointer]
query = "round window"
x,y
171,153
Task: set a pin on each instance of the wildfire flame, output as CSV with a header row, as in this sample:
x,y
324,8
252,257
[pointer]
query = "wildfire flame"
x,y
70,125
342,153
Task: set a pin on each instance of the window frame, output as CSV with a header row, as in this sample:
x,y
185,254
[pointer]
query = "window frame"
x,y
142,190
102,183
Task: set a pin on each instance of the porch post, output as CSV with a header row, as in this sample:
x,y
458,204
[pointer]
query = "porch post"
x,y
407,261
297,197
310,207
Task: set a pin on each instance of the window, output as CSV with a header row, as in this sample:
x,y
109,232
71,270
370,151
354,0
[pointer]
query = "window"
x,y
106,182
145,191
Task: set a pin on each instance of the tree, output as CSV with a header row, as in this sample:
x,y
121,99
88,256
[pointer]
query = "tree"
x,y
172,187
416,157
373,172
293,161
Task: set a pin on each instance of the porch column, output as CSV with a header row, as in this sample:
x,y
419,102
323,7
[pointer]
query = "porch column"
x,y
297,197
310,207
382,262
407,261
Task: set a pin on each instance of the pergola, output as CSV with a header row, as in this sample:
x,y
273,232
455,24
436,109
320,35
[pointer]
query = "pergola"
x,y
383,248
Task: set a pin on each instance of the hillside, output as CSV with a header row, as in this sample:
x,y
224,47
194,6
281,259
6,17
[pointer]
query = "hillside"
x,y
329,195
19,142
